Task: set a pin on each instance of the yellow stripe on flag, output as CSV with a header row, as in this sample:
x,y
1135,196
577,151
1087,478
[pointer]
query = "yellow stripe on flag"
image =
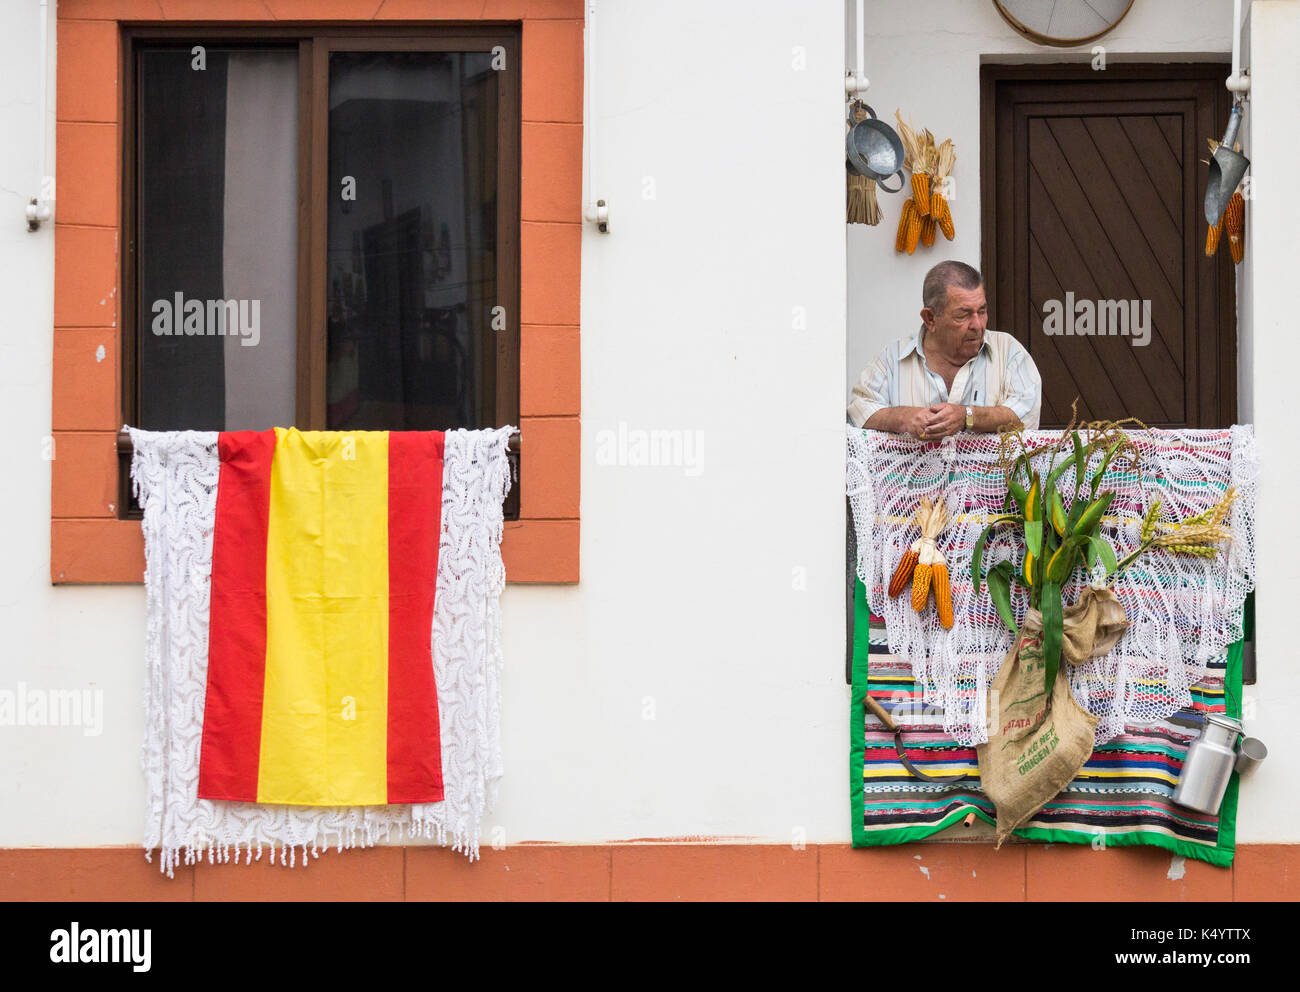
x,y
325,704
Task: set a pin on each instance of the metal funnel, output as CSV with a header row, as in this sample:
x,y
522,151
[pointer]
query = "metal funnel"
x,y
1227,167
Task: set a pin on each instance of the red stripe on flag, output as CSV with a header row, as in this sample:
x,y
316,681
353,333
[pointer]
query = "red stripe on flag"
x,y
414,525
232,713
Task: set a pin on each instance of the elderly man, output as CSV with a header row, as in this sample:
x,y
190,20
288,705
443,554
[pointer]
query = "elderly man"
x,y
952,374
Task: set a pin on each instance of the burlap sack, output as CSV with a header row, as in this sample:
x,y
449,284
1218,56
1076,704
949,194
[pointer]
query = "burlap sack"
x,y
1034,749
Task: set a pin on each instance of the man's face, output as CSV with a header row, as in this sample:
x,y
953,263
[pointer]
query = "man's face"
x,y
959,330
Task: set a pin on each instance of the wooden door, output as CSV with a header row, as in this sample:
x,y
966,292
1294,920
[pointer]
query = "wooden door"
x,y
1093,238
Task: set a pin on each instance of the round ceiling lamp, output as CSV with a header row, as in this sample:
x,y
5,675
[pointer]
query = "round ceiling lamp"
x,y
1063,23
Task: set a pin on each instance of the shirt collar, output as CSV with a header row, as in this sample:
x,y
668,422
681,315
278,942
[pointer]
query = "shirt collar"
x,y
914,344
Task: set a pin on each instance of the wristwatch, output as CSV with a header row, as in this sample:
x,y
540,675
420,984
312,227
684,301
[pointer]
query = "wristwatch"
x,y
970,418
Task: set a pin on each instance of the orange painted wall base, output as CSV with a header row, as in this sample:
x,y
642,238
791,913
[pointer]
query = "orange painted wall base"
x,y
911,873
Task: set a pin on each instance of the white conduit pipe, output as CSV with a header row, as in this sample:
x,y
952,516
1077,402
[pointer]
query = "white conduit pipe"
x,y
39,210
1237,83
855,83
593,209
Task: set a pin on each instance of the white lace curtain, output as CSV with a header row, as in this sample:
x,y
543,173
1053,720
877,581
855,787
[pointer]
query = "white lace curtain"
x,y
1182,610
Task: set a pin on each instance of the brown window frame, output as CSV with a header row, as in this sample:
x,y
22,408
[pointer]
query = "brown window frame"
x,y
315,43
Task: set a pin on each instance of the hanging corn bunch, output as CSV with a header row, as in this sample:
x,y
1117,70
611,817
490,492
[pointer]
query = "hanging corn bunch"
x,y
923,566
863,207
930,166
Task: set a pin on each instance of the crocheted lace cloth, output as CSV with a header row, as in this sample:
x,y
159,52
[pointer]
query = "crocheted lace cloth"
x,y
175,477
1181,609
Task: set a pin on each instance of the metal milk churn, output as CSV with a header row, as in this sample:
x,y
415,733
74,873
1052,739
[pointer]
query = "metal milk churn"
x,y
1208,765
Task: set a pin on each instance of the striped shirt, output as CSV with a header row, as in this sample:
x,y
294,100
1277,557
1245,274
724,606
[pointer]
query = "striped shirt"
x,y
1000,374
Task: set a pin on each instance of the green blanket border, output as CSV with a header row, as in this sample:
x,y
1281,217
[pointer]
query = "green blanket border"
x,y
1220,855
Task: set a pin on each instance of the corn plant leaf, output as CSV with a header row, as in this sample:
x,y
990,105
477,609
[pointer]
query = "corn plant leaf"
x,y
1053,631
1000,592
1034,537
1016,492
977,556
1090,522
1061,564
1076,511
1099,546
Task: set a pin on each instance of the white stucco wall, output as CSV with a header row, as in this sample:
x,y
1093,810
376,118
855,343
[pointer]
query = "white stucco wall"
x,y
713,599
1269,801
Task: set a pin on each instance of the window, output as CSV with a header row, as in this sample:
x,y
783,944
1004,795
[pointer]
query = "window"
x,y
322,230
97,262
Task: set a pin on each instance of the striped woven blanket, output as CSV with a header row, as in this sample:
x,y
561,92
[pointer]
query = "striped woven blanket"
x,y
1123,795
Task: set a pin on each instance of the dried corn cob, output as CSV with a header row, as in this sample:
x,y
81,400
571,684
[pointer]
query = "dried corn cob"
x,y
913,230
928,228
921,192
1212,240
900,240
942,593
921,585
1234,224
903,573
945,219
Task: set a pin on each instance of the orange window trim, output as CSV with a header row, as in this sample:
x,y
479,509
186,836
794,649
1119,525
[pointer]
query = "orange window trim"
x,y
88,544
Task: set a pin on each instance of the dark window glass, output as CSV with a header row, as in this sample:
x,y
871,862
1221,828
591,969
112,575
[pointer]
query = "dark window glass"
x,y
217,241
412,243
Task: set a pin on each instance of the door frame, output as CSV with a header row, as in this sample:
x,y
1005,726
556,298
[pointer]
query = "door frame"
x,y
1224,282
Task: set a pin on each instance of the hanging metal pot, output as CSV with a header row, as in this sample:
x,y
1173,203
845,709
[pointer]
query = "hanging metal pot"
x,y
873,149
1227,169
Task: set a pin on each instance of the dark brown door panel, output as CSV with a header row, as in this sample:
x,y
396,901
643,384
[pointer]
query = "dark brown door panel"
x,y
1093,238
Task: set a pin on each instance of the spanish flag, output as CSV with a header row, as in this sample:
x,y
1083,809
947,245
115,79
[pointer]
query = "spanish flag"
x,y
324,565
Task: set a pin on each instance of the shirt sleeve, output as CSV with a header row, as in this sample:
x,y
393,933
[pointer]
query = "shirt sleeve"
x,y
1023,387
870,393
